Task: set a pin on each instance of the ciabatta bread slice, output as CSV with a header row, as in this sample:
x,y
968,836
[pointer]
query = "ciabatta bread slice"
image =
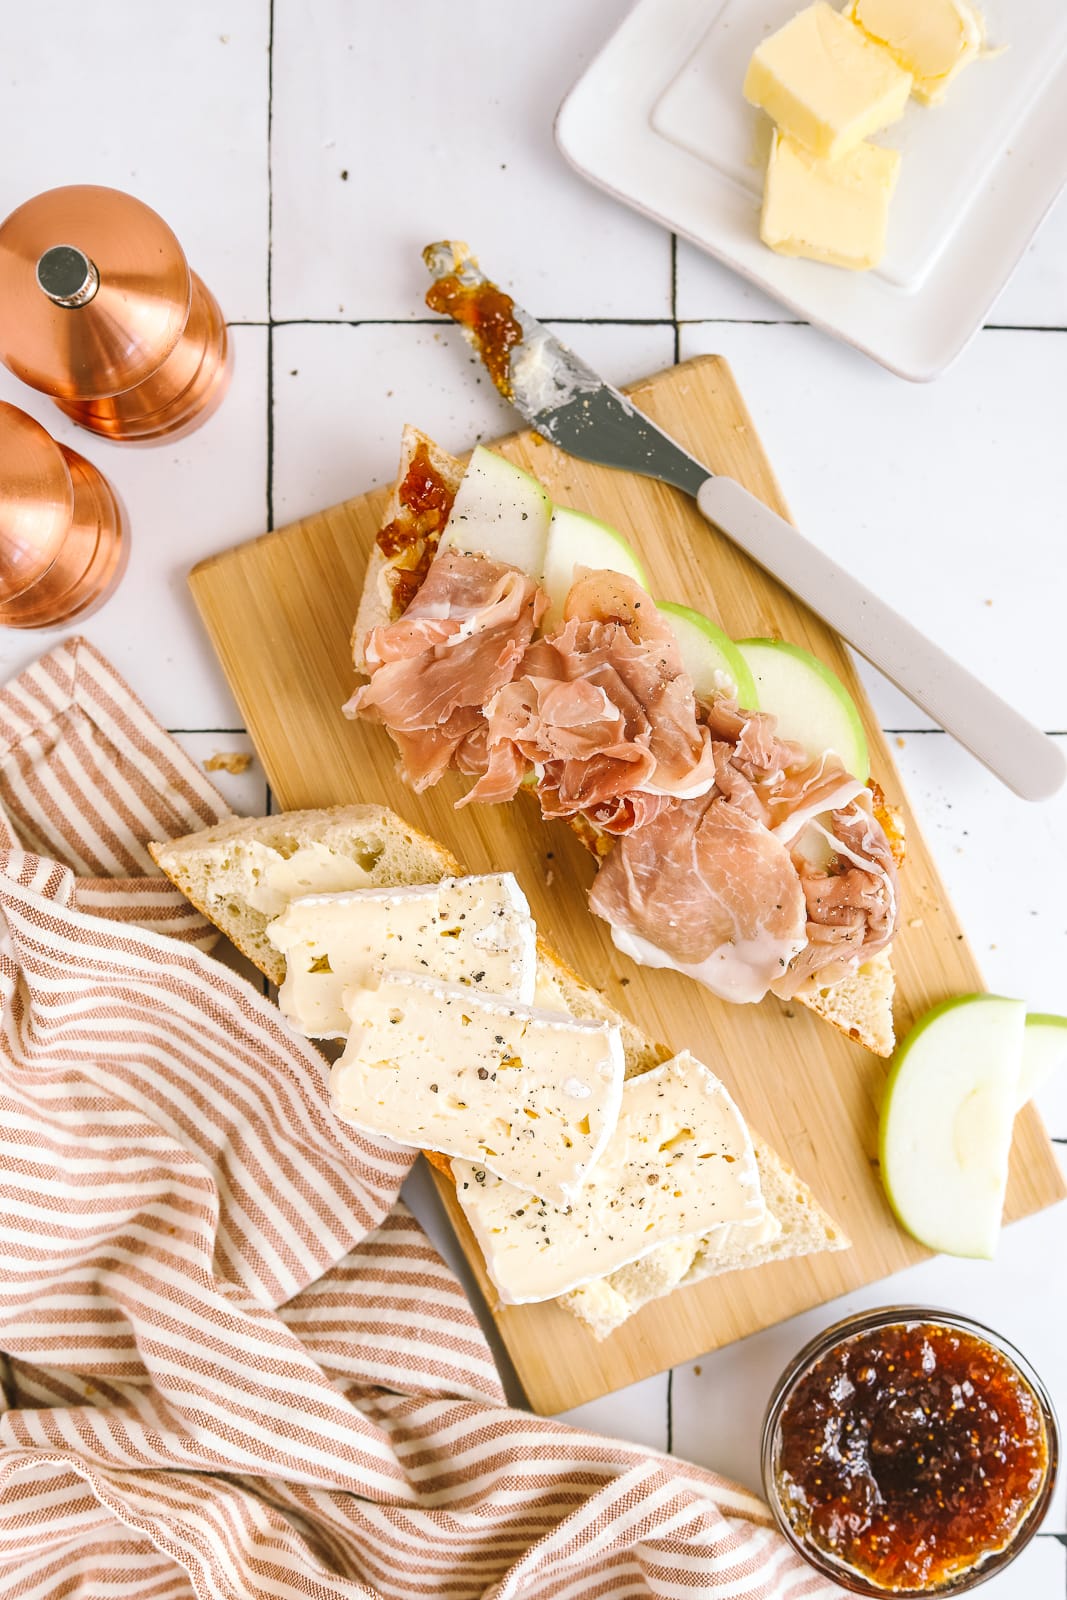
x,y
409,533
208,867
214,868
860,1006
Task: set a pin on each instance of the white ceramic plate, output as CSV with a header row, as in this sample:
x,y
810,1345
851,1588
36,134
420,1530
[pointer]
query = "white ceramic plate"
x,y
659,121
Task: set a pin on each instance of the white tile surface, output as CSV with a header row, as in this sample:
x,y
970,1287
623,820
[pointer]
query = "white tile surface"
x,y
947,499
638,1413
185,500
174,114
443,122
1016,920
341,396
1036,296
244,792
707,291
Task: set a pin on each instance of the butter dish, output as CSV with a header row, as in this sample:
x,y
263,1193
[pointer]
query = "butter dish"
x,y
658,120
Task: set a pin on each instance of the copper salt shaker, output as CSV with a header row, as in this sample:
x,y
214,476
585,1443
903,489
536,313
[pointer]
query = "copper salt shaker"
x,y
62,543
100,310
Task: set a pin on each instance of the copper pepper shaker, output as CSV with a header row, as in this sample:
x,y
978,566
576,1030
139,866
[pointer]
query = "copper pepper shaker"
x,y
100,310
62,541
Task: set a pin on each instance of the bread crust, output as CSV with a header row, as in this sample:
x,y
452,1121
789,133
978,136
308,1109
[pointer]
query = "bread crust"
x,y
377,603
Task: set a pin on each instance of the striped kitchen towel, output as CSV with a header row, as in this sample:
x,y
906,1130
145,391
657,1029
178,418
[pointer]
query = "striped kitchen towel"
x,y
87,776
234,1367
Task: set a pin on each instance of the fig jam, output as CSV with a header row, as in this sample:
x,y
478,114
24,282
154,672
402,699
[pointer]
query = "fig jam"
x,y
411,539
489,314
910,1453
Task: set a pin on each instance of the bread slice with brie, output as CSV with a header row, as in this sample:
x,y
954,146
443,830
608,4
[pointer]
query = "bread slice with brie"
x,y
243,873
232,871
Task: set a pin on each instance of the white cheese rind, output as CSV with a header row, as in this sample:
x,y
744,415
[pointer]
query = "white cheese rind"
x,y
680,1163
474,930
531,1095
267,880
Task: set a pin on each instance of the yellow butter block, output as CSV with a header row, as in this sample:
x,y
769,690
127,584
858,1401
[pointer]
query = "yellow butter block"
x,y
832,211
825,83
931,39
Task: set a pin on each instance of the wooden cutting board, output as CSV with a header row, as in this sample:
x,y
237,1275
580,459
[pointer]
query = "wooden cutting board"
x,y
279,611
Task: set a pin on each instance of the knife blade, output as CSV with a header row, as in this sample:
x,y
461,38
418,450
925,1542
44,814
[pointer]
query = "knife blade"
x,y
571,406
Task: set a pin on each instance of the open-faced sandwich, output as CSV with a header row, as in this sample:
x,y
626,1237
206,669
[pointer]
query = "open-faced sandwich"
x,y
722,786
592,1165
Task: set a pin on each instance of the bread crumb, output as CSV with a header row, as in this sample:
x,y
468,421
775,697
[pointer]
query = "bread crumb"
x,y
915,922
901,741
697,1371
232,761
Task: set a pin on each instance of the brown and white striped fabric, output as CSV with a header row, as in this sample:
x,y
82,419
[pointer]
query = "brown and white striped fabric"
x,y
87,776
233,1364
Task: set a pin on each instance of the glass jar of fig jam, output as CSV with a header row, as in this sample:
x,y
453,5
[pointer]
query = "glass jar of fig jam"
x,y
909,1451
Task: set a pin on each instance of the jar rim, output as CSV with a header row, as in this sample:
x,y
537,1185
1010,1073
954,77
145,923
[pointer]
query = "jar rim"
x,y
869,1322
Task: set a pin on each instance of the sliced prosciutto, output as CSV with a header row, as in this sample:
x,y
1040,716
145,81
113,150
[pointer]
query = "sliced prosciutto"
x,y
707,889
781,875
432,671
851,899
604,712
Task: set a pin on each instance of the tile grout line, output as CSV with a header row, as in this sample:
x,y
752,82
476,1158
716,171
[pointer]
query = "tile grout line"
x,y
270,267
595,322
674,300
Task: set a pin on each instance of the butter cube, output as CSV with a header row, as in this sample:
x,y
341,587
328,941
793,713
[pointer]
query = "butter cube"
x,y
832,211
931,39
825,83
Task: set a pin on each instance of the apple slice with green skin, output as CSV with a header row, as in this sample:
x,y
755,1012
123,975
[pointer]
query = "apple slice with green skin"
x,y
577,540
947,1120
711,658
1044,1049
811,704
500,511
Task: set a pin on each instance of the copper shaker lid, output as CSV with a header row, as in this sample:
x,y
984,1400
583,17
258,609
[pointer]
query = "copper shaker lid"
x,y
36,501
94,292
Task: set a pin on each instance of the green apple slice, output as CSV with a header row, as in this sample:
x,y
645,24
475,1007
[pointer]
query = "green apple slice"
x,y
500,511
810,702
711,658
947,1120
577,540
1044,1049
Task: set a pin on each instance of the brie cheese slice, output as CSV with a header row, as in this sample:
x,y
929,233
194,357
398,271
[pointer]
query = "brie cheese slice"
x,y
529,1095
680,1163
475,931
267,880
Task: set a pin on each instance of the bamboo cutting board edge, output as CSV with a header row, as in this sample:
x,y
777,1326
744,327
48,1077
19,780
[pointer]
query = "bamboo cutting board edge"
x,y
279,610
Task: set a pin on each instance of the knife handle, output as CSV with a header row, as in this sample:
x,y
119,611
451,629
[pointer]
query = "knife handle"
x,y
1016,752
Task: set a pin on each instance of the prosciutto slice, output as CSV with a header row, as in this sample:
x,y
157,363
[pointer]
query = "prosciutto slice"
x,y
851,900
433,670
709,890
780,876
604,712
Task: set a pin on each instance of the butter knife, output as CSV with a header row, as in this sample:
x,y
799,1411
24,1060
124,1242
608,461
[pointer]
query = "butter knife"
x,y
570,405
